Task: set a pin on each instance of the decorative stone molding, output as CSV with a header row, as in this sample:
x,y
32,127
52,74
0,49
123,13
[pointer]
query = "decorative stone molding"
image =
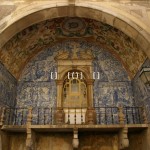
x,y
123,138
59,116
59,82
71,62
90,116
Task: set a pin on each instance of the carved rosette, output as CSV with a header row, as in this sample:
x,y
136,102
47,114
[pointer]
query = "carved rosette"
x,y
90,116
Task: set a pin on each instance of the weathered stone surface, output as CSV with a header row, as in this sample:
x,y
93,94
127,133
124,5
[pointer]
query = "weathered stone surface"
x,y
17,142
54,141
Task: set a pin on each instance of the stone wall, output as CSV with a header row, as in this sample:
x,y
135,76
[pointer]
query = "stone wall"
x,y
53,141
17,141
139,140
36,88
12,141
88,141
98,141
8,87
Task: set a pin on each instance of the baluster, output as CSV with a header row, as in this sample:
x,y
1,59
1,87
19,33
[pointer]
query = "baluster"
x,y
38,119
105,115
121,115
112,116
81,117
145,121
29,116
22,112
127,115
15,109
9,116
68,116
99,115
44,115
136,115
133,116
75,117
139,118
3,114
51,111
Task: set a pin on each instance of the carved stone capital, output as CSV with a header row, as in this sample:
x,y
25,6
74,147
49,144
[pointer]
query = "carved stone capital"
x,y
90,81
59,82
90,116
59,116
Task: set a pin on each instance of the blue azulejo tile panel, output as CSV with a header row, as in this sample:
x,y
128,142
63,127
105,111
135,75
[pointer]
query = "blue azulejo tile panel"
x,y
8,88
141,91
113,94
37,94
36,88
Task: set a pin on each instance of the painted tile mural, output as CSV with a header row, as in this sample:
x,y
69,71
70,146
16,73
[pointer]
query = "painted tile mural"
x,y
17,52
36,88
142,92
8,88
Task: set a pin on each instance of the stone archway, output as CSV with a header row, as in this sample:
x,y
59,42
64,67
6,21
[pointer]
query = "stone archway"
x,y
130,25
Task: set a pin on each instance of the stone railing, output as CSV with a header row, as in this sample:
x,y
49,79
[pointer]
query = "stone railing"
x,y
83,116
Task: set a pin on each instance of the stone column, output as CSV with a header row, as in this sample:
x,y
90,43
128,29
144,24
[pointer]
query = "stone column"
x,y
29,143
59,92
90,113
59,114
90,83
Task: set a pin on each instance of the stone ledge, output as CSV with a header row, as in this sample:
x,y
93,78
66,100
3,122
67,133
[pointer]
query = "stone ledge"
x,y
69,128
